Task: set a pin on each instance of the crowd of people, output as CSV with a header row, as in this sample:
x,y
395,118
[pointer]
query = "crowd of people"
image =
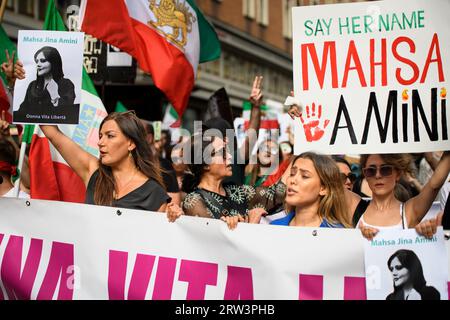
x,y
209,176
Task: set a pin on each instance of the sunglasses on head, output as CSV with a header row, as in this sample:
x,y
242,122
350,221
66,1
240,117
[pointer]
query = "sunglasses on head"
x,y
351,176
385,171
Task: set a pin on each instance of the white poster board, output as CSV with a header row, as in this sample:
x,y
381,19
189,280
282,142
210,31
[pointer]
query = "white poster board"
x,y
372,76
401,265
51,90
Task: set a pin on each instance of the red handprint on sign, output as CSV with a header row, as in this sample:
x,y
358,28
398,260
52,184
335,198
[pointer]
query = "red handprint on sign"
x,y
311,125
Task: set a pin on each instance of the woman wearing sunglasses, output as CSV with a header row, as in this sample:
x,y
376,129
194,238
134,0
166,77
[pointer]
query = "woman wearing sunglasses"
x,y
348,178
383,172
269,157
207,194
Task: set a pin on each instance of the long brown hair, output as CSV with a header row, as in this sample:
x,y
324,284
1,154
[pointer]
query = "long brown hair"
x,y
143,157
332,206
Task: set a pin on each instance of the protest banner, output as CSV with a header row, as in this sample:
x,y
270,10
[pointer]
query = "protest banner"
x,y
60,250
373,76
401,265
51,91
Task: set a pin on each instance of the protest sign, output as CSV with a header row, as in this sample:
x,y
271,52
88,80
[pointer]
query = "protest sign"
x,y
401,265
372,76
51,90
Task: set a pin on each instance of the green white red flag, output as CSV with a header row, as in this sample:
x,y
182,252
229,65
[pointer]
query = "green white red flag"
x,y
5,97
168,38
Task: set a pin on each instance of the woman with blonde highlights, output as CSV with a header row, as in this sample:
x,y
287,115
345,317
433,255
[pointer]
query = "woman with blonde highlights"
x,y
315,194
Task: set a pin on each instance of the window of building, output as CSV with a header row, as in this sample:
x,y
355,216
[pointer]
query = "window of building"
x,y
26,7
262,12
10,4
287,16
42,9
248,9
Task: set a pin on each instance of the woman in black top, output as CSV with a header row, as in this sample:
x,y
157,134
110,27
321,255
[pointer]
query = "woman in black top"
x,y
126,175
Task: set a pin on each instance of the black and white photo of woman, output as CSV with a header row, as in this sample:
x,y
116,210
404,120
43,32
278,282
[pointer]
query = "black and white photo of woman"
x,y
408,278
50,91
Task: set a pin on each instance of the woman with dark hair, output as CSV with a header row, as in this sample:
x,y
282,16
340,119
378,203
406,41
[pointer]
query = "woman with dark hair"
x,y
408,279
315,194
50,89
347,176
268,159
384,211
207,194
127,175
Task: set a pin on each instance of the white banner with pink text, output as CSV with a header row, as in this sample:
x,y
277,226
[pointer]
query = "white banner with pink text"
x,y
57,250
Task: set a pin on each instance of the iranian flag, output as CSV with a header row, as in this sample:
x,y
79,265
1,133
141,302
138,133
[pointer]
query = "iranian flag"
x,y
50,175
5,97
168,38
171,119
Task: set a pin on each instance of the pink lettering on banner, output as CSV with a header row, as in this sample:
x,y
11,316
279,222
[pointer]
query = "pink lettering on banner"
x,y
165,275
1,292
198,275
239,284
355,288
116,274
17,285
61,259
311,287
140,278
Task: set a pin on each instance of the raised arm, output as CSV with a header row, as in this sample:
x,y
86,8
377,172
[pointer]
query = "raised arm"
x,y
82,162
8,68
256,97
417,207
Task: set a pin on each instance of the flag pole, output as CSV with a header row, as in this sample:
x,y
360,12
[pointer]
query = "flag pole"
x,y
2,10
23,147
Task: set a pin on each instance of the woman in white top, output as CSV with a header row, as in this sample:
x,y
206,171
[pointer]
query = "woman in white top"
x,y
382,172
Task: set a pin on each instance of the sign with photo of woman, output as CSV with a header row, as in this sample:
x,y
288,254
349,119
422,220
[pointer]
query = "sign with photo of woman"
x,y
51,90
402,265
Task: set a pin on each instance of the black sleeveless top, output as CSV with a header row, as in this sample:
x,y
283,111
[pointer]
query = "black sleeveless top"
x,y
150,196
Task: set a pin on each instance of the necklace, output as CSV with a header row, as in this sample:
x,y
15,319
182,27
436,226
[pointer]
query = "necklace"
x,y
115,195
